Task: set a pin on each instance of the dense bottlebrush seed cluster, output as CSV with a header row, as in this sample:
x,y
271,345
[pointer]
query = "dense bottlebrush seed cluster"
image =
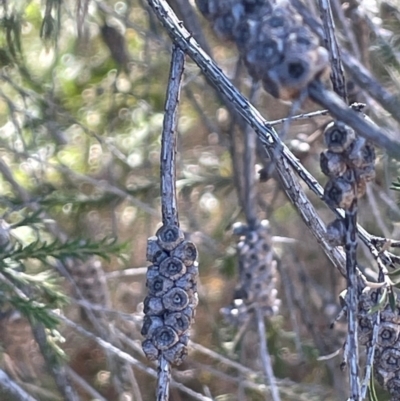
x,y
349,162
170,306
387,346
257,274
276,46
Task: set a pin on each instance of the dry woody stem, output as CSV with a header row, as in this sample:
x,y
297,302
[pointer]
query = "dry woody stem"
x,y
168,142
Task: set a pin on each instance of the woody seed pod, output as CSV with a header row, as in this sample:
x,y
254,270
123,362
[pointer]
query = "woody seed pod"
x,y
153,306
154,253
186,252
150,350
360,153
150,323
340,192
169,237
338,136
159,285
165,337
388,334
179,321
366,173
175,300
335,232
389,360
393,386
176,353
172,268
332,164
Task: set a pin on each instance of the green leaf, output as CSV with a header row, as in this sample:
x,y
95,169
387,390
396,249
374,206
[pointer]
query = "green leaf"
x,y
381,303
371,389
392,300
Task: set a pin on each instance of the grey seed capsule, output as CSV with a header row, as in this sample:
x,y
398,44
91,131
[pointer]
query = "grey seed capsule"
x,y
172,268
186,252
360,153
150,323
179,321
365,325
239,229
175,300
366,173
332,164
388,334
169,237
154,252
184,339
176,354
159,285
153,306
152,272
390,359
150,350
186,282
340,192
338,136
393,386
335,232
227,23
262,56
361,188
189,312
165,337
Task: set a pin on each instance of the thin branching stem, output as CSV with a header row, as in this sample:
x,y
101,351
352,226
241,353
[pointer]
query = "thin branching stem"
x,y
352,300
11,388
108,347
337,72
168,140
168,179
265,357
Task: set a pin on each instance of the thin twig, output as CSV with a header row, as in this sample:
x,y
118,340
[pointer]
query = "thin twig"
x,y
168,178
352,299
128,358
265,357
249,184
303,116
11,388
370,355
168,141
84,384
337,73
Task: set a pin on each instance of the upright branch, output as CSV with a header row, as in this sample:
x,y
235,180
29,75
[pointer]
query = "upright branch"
x,y
346,178
337,71
171,279
168,139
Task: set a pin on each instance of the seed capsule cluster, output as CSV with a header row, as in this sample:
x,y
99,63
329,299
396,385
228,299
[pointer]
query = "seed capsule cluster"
x,y
170,306
387,349
276,46
349,164
257,274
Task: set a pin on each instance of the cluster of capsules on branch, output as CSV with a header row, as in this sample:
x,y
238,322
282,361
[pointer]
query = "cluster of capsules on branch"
x,y
387,344
172,286
257,274
275,44
349,162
